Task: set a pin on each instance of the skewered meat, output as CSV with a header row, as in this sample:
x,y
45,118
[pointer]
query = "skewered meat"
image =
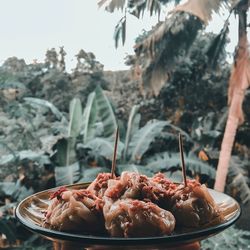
x,y
72,210
134,218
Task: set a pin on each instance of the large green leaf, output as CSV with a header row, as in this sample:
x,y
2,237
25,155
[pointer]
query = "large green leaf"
x,y
105,113
65,153
104,147
67,174
167,161
89,118
75,117
36,102
25,154
142,139
132,128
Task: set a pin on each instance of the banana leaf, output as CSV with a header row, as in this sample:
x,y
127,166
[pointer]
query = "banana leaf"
x,y
142,139
105,113
75,117
132,128
67,170
67,174
89,118
36,102
104,147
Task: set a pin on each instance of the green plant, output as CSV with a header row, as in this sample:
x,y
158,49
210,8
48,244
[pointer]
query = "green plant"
x,y
137,150
67,166
232,238
94,126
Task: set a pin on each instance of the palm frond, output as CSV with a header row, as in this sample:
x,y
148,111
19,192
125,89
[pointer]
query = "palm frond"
x,y
158,50
238,181
164,162
120,31
217,47
112,5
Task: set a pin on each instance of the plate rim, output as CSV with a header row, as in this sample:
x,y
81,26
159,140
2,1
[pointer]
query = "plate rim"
x,y
102,240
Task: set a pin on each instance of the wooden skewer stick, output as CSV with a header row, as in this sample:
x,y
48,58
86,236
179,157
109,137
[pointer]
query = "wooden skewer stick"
x,y
114,154
183,166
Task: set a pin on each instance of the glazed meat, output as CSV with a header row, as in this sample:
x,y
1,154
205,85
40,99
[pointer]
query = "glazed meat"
x,y
74,210
100,184
129,185
132,205
126,213
134,218
193,206
136,186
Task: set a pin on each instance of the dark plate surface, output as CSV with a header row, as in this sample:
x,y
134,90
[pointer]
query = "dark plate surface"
x,y
30,213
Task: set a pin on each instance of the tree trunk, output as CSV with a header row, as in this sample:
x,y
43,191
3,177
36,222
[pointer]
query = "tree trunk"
x,y
239,82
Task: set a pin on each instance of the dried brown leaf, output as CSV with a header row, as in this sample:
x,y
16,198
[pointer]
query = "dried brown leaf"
x,y
203,9
102,2
115,4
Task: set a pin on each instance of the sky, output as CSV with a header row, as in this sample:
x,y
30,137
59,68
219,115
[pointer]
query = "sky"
x,y
30,27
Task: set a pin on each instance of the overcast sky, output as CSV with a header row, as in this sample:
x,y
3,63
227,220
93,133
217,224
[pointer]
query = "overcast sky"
x,y
29,27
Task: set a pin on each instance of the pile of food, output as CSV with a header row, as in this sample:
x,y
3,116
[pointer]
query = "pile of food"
x,y
131,205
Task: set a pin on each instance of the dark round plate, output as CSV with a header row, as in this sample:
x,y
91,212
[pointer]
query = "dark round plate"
x,y
30,213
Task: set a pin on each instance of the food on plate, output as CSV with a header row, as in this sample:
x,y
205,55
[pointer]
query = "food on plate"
x,y
192,205
127,214
100,184
74,210
135,218
131,205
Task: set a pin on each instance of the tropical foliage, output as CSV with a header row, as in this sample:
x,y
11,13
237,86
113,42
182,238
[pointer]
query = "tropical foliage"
x,y
58,128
